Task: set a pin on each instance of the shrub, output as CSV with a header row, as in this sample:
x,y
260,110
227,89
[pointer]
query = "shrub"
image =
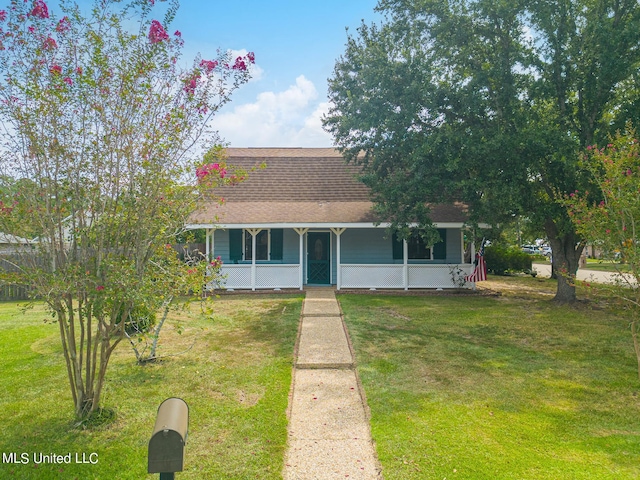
x,y
141,319
502,260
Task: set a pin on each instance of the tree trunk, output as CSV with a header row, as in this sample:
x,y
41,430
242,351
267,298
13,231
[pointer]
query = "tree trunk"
x,y
566,250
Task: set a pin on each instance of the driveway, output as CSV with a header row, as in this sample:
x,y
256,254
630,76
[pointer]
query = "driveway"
x,y
583,274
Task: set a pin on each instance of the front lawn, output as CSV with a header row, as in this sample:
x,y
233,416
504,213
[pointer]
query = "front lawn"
x,y
501,387
235,379
606,266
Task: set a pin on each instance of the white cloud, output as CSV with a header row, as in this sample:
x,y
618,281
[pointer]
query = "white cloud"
x,y
290,118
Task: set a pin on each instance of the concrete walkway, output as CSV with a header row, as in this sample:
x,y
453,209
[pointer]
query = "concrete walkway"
x,y
584,274
329,435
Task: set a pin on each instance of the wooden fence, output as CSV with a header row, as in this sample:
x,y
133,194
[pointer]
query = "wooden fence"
x,y
21,292
14,293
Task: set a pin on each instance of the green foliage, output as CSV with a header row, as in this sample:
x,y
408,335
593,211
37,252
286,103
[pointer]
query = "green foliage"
x,y
104,133
487,102
501,260
140,319
613,222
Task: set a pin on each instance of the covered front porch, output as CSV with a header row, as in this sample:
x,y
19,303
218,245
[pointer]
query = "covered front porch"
x,y
347,256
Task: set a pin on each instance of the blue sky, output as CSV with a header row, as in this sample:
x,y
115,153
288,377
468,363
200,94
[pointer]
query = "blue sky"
x,y
296,43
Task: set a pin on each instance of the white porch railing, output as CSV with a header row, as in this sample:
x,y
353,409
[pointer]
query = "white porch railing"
x,y
352,276
267,276
393,276
371,276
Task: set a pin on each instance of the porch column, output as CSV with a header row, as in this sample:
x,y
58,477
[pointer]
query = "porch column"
x,y
473,259
207,239
338,232
405,262
301,232
253,232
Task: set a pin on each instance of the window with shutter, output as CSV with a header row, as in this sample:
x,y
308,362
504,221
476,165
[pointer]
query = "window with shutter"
x,y
440,248
276,243
235,245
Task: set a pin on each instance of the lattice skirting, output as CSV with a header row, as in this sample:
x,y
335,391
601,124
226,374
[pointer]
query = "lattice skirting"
x,y
267,276
392,276
371,276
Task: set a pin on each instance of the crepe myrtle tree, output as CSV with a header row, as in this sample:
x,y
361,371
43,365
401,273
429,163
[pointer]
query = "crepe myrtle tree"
x,y
107,126
610,216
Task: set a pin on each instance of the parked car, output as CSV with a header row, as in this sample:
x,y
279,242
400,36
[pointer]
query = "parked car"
x,y
530,249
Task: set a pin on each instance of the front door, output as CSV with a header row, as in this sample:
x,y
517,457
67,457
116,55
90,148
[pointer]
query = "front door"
x,y
318,263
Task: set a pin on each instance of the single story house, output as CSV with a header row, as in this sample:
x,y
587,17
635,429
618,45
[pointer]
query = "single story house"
x,y
10,244
306,219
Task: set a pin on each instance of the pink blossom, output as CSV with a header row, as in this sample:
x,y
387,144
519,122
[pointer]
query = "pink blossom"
x,y
208,65
239,65
63,25
79,70
251,57
589,147
68,81
3,15
177,33
56,70
205,170
100,288
31,29
50,43
39,10
191,83
190,88
157,33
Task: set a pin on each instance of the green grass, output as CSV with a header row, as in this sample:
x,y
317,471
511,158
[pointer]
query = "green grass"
x,y
504,387
235,379
606,265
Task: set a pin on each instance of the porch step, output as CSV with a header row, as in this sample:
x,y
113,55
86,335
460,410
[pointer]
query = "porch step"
x,y
323,304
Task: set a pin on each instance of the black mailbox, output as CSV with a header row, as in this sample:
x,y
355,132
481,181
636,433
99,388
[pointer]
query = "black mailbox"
x,y
166,447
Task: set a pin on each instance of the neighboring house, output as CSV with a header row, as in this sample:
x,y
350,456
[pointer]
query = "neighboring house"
x,y
306,220
10,244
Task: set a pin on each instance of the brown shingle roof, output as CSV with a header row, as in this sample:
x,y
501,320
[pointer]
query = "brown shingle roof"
x,y
298,185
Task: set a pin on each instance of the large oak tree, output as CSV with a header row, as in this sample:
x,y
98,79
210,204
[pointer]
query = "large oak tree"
x,y
489,102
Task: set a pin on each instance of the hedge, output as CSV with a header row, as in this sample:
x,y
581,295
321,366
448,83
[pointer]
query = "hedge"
x,y
502,260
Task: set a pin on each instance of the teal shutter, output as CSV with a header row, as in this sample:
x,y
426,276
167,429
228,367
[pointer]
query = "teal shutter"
x,y
440,248
235,245
276,243
397,247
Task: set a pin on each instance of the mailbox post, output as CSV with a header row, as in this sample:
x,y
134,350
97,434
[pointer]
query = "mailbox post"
x,y
166,447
